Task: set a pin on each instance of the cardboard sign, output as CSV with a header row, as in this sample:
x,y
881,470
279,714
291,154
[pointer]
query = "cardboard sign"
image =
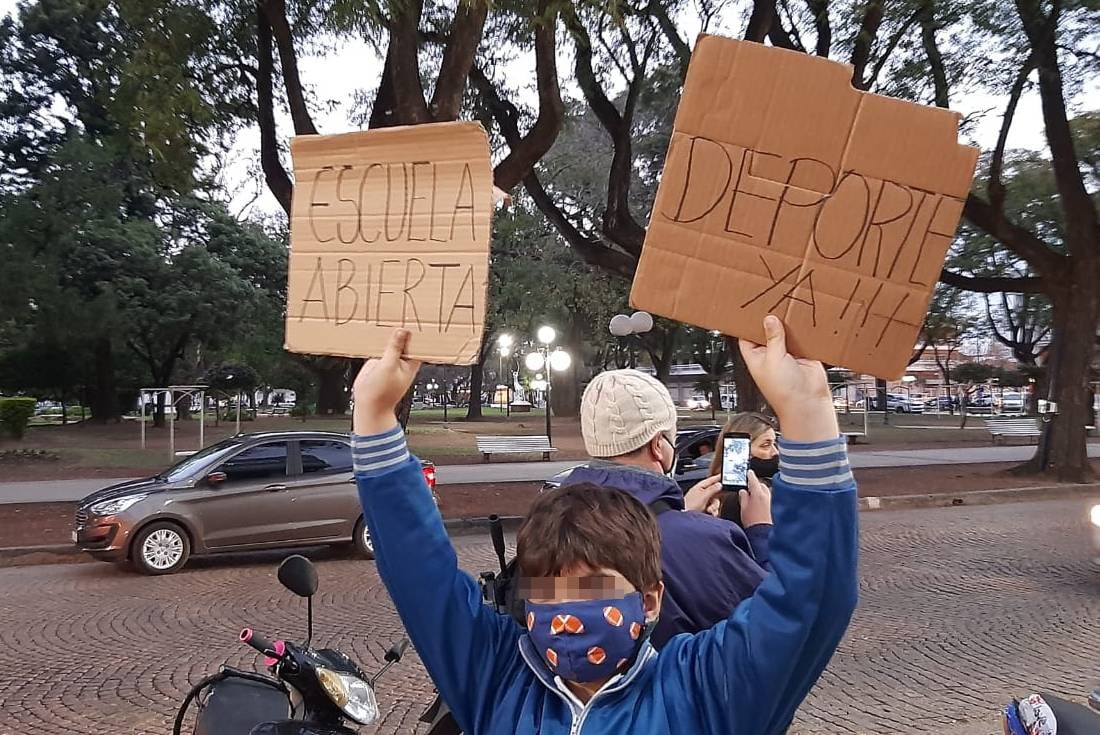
x,y
391,228
787,191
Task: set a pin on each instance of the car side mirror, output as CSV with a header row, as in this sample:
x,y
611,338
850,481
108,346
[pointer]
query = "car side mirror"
x,y
214,479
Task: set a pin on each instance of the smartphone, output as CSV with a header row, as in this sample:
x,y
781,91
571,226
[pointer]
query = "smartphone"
x,y
735,461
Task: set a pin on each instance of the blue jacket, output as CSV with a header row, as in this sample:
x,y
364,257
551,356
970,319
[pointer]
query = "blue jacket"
x,y
745,676
709,565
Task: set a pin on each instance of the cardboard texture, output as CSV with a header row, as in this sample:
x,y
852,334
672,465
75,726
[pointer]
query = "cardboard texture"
x,y
788,191
391,228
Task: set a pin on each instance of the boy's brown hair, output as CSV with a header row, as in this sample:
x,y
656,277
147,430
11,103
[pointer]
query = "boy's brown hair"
x,y
601,527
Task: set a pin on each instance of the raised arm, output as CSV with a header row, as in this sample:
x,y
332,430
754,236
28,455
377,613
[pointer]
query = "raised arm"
x,y
753,670
440,605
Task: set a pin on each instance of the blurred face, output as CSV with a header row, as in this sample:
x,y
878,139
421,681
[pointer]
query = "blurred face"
x,y
765,446
586,583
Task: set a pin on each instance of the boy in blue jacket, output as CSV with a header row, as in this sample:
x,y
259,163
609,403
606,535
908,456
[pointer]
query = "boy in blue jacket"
x,y
591,558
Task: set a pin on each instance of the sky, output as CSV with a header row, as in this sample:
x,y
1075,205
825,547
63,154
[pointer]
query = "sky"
x,y
335,89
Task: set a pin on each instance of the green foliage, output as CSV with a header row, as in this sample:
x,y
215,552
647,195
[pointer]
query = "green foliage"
x,y
15,414
971,372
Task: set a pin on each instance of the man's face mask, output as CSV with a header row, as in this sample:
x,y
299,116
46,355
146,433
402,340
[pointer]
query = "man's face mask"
x,y
764,468
587,640
672,463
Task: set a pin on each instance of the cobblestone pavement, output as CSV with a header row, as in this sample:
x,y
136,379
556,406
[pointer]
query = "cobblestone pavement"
x,y
956,603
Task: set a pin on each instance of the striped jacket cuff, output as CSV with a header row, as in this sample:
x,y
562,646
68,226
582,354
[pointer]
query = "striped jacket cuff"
x,y
377,454
820,464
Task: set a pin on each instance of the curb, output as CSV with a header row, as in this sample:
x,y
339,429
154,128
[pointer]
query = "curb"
x,y
977,497
458,527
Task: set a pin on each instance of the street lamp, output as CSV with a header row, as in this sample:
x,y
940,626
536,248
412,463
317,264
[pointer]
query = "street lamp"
x,y
623,326
543,358
434,387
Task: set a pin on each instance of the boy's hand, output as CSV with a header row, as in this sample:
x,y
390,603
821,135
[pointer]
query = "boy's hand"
x,y
701,493
380,386
797,389
756,503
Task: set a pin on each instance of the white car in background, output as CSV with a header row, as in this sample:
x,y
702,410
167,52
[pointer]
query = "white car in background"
x,y
697,403
1012,403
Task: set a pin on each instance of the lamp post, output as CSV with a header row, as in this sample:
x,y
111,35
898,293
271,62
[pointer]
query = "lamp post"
x,y
433,387
543,357
623,327
504,351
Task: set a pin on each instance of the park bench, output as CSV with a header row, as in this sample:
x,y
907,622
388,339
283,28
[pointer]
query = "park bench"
x,y
489,445
1013,427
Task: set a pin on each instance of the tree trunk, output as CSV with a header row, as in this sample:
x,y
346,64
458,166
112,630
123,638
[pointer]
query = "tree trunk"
x,y
880,392
749,397
158,412
404,409
102,399
477,380
1063,446
332,396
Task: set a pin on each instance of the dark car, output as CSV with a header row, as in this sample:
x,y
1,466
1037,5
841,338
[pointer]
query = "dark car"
x,y
691,444
251,491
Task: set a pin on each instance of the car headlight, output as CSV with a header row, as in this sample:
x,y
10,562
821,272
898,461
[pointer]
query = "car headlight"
x,y
110,507
1094,515
352,695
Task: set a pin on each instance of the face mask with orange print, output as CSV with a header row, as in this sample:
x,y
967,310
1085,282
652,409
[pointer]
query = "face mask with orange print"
x,y
587,640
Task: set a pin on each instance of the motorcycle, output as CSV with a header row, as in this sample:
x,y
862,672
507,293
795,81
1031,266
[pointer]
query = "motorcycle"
x,y
1044,714
310,691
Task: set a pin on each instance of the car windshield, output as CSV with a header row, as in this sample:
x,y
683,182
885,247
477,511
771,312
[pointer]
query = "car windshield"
x,y
199,461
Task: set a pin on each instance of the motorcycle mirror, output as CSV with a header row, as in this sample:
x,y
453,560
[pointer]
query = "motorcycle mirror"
x,y
298,575
397,650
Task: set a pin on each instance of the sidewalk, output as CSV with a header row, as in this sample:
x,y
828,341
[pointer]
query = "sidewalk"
x,y
72,490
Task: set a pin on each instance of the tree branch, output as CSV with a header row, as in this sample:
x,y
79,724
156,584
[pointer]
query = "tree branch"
x,y
275,11
458,58
404,53
594,95
991,284
1082,222
926,11
996,187
590,249
761,20
865,39
656,9
895,39
278,181
1043,260
383,113
820,10
526,150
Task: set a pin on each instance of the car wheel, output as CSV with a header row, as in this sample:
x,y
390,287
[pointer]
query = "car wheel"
x,y
160,548
363,542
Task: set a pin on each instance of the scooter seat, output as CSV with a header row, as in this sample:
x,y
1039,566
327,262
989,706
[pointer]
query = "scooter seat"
x,y
1073,718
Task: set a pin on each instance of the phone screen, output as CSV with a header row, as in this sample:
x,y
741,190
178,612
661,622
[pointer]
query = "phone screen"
x,y
735,460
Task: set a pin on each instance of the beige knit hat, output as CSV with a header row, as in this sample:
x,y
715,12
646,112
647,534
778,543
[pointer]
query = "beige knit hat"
x,y
621,410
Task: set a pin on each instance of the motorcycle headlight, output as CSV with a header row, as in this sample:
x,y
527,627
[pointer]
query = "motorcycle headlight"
x,y
1094,515
352,695
110,507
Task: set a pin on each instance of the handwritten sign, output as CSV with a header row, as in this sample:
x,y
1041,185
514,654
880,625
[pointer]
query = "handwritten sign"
x,y
787,191
390,228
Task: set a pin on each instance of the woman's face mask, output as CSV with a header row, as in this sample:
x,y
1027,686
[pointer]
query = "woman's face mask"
x,y
764,468
587,640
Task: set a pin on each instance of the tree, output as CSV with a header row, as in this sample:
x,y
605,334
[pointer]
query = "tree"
x,y
400,98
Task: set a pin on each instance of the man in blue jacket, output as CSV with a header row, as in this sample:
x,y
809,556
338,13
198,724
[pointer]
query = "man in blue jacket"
x,y
584,665
709,564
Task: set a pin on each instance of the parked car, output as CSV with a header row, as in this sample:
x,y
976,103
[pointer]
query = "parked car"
x,y
942,403
900,403
251,491
697,403
1012,403
693,448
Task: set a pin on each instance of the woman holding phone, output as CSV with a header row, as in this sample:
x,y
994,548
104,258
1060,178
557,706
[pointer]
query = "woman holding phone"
x,y
763,458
